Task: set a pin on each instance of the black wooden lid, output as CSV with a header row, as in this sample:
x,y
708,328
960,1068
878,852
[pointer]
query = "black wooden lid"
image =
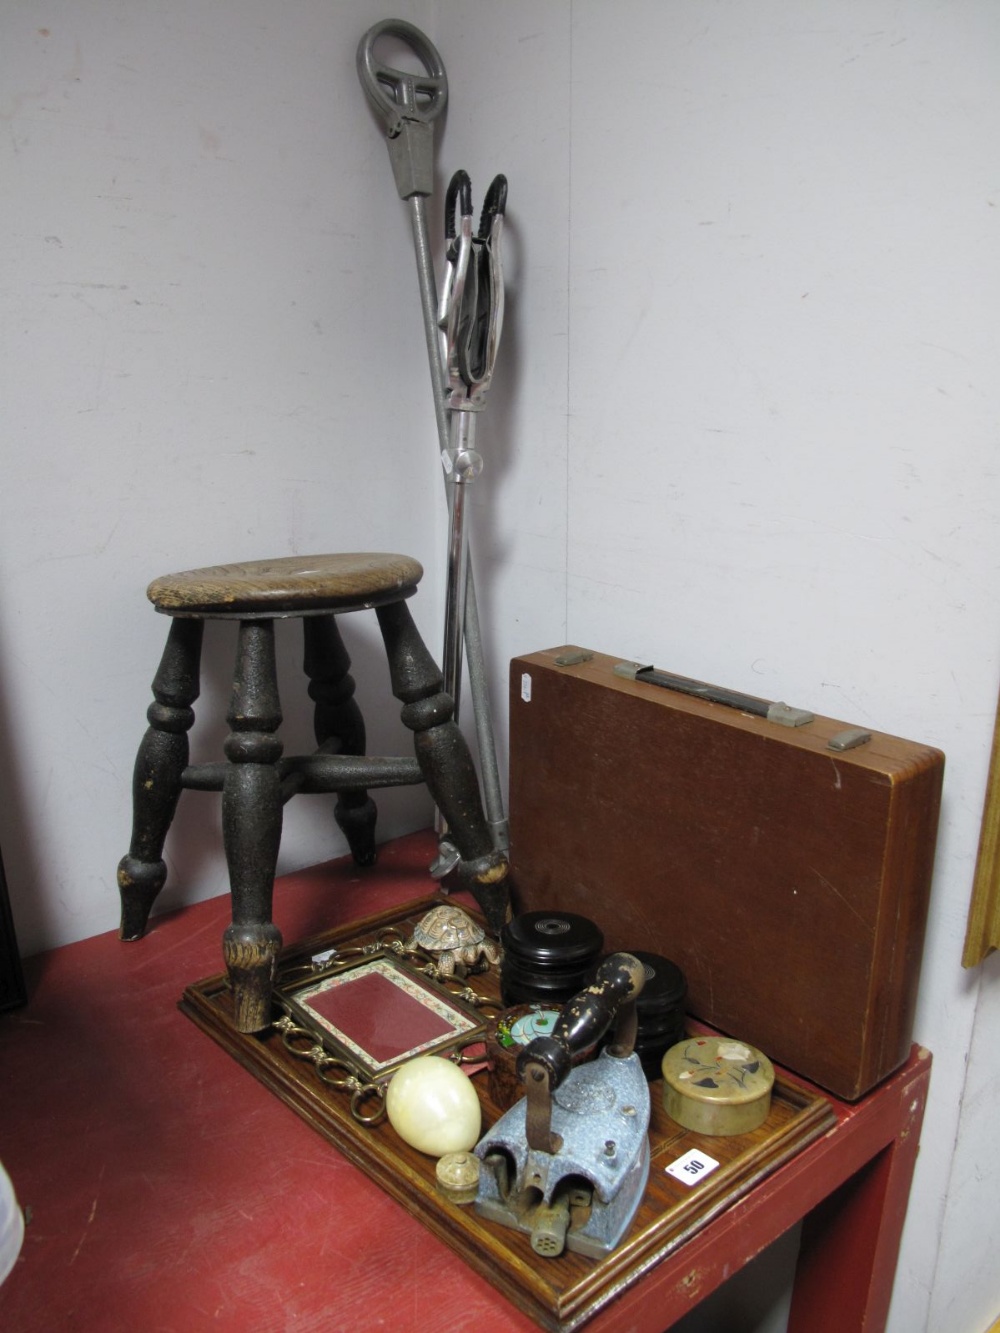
x,y
551,939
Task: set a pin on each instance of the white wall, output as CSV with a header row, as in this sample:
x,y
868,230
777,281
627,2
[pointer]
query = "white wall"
x,y
743,425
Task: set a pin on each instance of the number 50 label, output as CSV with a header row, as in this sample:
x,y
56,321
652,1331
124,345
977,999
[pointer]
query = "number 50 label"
x,y
692,1167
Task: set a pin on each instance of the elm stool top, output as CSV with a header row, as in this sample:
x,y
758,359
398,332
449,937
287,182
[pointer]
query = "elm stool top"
x,y
293,585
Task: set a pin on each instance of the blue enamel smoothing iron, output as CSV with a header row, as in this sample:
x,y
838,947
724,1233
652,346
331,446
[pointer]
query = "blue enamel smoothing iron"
x,y
569,1162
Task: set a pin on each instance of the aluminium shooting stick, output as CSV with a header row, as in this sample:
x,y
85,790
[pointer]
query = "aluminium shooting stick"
x,y
408,104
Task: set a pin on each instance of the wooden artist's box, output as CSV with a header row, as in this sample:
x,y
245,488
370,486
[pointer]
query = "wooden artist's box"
x,y
784,864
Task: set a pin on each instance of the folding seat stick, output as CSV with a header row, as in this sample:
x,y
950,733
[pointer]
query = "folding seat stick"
x,y
408,104
470,316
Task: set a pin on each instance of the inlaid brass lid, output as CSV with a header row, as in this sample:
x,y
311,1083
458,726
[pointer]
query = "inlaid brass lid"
x,y
717,1085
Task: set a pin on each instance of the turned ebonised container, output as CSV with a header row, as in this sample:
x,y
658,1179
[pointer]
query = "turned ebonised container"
x,y
547,957
659,1009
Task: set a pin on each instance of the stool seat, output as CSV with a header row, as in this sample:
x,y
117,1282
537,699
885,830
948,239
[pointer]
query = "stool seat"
x,y
290,585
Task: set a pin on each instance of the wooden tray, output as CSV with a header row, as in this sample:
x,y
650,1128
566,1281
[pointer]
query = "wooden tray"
x,y
559,1294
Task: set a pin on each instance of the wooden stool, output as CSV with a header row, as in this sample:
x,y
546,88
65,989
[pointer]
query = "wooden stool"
x,y
255,780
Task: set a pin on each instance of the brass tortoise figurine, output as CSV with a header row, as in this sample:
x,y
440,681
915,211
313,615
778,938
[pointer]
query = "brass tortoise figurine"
x,y
454,940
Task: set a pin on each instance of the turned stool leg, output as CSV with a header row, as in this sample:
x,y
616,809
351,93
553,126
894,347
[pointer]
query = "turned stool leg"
x,y
444,760
338,717
156,781
251,825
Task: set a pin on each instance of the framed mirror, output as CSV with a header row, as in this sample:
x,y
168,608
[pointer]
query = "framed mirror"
x,y
375,1013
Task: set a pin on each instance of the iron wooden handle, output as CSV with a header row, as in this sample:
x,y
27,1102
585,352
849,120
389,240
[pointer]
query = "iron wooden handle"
x,y
583,1021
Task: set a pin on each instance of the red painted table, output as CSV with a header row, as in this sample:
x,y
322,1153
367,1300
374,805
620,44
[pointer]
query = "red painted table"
x,y
168,1190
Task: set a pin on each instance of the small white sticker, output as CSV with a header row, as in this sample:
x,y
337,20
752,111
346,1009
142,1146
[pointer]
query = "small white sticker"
x,y
526,687
692,1167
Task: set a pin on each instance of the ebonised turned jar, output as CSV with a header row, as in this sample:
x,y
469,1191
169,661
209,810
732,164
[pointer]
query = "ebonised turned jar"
x,y
547,957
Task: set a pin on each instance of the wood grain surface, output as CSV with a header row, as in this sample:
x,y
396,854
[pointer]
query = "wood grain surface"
x,y
343,581
789,881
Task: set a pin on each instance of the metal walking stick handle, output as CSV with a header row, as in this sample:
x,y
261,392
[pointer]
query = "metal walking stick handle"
x,y
406,103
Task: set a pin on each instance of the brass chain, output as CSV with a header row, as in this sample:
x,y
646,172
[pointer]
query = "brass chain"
x,y
332,1071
